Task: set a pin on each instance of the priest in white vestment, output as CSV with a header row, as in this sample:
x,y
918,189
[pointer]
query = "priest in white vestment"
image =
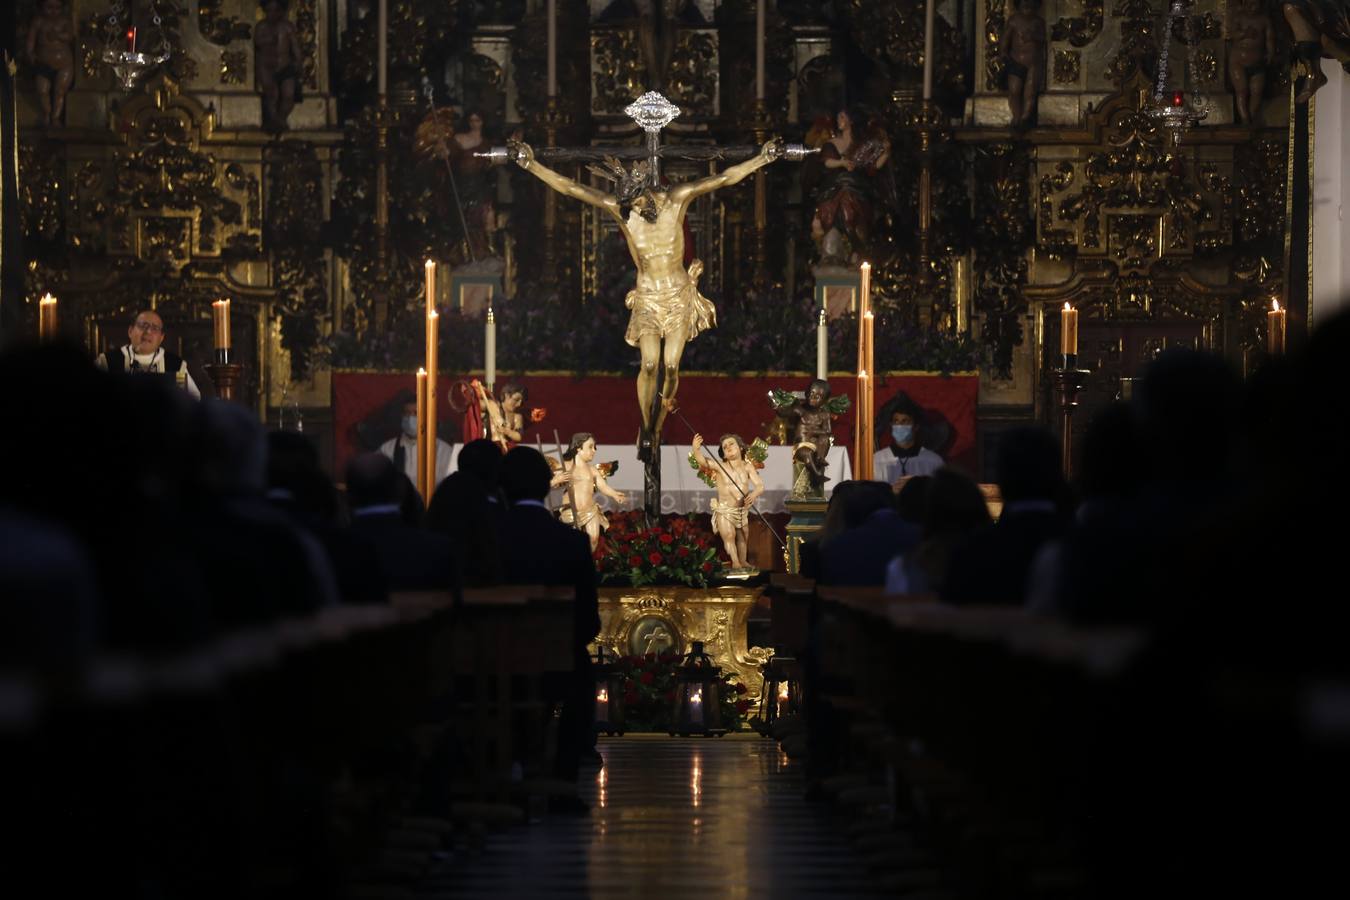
x,y
145,355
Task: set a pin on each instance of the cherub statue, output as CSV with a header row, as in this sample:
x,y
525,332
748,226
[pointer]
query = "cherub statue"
x,y
1321,28
1023,51
1251,48
812,434
738,486
51,51
583,477
277,62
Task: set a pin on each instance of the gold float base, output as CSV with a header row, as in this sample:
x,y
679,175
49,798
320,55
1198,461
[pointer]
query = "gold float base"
x,y
637,621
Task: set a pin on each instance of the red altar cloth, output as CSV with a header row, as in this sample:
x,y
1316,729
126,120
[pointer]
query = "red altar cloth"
x,y
606,406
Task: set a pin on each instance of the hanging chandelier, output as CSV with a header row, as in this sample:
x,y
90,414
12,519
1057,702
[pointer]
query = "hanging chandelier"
x,y
1174,109
123,44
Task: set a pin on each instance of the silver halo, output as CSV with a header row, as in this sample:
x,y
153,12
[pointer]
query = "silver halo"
x,y
652,111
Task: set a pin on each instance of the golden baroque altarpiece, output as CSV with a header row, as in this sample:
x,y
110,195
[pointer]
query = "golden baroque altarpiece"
x,y
172,194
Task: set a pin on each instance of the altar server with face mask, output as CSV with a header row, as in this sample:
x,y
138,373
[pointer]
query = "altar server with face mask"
x,y
903,456
402,449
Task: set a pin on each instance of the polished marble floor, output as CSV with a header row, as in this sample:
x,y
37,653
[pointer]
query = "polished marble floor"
x,y
718,818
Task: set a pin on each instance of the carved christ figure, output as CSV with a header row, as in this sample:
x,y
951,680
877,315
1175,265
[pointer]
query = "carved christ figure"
x,y
51,50
278,59
1251,49
666,302
1023,43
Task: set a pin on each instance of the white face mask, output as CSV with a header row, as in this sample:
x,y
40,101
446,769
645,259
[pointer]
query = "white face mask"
x,y
410,426
902,434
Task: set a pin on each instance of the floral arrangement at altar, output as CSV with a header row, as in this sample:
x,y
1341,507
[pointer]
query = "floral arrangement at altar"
x,y
649,693
764,331
676,550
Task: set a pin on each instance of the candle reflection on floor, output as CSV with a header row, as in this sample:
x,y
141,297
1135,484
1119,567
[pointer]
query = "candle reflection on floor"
x,y
673,818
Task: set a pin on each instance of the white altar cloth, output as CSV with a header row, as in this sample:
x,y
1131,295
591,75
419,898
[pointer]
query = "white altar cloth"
x,y
681,489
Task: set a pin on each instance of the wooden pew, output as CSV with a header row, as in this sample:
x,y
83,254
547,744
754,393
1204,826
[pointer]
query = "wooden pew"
x,y
999,716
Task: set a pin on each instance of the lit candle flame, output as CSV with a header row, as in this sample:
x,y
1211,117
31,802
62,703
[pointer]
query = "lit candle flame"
x,y
783,691
696,697
602,695
1067,307
1275,305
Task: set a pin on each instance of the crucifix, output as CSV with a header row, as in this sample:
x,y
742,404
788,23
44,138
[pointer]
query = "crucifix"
x,y
667,309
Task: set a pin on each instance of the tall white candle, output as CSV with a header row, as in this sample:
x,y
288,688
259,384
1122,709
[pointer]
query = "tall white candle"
x,y
382,63
759,50
822,346
928,52
490,351
553,48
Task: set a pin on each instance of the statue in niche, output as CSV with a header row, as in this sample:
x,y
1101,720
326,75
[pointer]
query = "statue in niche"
x,y
51,52
477,186
277,64
1251,48
844,193
1023,52
1321,28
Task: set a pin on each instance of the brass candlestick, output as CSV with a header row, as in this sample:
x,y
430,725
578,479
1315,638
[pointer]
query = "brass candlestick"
x,y
225,376
1069,383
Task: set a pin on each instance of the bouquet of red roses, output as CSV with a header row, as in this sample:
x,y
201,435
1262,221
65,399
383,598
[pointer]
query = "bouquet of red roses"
x,y
674,550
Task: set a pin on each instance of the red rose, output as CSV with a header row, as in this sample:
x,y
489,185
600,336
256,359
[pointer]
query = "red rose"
x,y
682,552
646,678
707,567
655,558
742,705
666,539
635,561
741,689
